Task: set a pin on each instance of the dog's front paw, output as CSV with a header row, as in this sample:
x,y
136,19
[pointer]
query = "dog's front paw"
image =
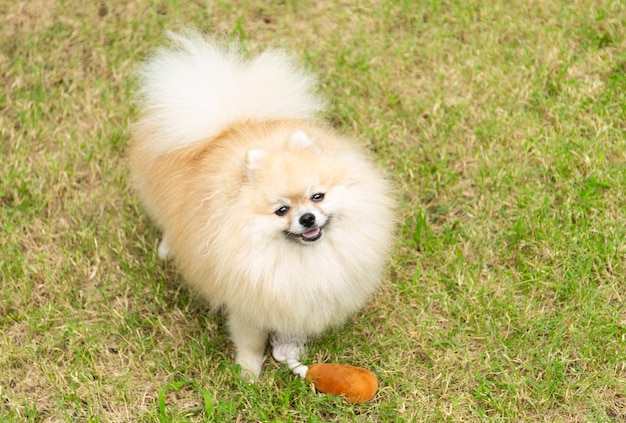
x,y
285,347
251,366
249,343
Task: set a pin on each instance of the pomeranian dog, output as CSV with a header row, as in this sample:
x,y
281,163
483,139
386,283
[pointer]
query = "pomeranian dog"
x,y
269,215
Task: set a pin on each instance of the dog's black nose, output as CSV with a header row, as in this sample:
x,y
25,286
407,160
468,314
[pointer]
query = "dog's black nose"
x,y
307,220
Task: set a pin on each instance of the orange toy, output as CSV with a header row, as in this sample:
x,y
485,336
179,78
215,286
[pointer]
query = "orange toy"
x,y
357,385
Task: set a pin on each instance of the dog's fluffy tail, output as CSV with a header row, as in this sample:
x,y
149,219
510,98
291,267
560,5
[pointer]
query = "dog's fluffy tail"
x,y
197,87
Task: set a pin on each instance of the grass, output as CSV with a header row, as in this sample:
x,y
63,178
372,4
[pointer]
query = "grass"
x,y
502,125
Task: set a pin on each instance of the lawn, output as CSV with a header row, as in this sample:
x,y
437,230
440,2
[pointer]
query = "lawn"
x,y
503,128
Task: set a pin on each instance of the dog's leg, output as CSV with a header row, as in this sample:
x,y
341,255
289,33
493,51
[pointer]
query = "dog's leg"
x,y
164,248
250,345
287,349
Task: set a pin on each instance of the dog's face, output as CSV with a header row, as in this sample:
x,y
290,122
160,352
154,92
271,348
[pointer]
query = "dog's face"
x,y
304,216
297,190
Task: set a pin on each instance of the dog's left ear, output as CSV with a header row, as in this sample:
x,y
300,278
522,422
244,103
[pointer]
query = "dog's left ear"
x,y
300,139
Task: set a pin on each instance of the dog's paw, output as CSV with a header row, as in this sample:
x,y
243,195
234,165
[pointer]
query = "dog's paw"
x,y
164,249
250,367
285,347
287,350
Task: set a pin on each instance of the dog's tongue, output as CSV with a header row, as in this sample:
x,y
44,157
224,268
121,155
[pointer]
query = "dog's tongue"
x,y
311,234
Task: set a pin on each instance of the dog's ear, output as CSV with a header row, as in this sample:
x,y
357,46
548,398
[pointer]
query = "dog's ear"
x,y
300,139
254,157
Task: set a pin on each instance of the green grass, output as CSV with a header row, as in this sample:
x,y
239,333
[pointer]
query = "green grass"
x,y
502,125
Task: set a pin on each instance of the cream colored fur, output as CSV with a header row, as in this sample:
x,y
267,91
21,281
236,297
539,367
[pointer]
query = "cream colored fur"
x,y
221,144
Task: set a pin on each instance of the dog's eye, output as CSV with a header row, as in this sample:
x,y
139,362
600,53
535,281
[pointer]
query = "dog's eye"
x,y
281,211
317,197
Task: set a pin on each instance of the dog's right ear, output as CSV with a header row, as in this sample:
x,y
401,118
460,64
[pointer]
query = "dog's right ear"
x,y
254,157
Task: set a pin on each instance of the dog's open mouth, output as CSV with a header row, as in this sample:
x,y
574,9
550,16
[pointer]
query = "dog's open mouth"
x,y
308,236
312,235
